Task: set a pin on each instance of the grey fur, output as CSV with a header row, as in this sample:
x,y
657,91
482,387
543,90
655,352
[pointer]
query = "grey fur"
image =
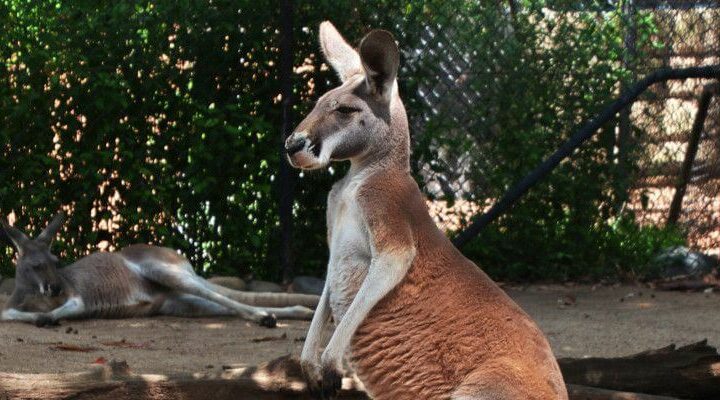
x,y
137,281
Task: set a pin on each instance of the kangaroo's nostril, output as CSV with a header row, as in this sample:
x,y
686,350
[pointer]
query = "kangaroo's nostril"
x,y
55,290
294,144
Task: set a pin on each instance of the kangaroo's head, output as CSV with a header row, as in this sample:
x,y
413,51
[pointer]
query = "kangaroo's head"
x,y
36,268
364,118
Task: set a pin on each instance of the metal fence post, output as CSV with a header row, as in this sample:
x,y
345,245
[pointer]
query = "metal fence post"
x,y
625,126
286,177
697,129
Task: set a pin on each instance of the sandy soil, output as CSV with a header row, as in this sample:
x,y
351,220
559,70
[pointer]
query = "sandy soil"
x,y
597,324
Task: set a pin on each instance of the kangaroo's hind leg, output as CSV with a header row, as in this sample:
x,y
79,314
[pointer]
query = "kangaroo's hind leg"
x,y
503,381
273,303
182,281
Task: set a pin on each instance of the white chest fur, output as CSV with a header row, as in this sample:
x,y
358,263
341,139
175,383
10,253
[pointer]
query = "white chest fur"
x,y
349,245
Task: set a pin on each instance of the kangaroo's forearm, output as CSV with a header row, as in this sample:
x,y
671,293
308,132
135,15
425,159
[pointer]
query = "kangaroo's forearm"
x,y
318,326
11,314
386,271
73,307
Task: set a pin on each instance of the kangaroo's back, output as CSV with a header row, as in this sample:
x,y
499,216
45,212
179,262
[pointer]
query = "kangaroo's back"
x,y
138,281
447,324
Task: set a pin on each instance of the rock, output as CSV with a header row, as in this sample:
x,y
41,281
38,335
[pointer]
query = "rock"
x,y
230,282
263,286
681,261
7,286
307,285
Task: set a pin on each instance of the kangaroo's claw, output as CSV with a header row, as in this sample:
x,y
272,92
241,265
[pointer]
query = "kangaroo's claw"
x,y
331,383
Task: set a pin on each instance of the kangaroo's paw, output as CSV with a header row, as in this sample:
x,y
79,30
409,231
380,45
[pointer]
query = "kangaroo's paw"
x,y
331,382
268,321
44,320
312,377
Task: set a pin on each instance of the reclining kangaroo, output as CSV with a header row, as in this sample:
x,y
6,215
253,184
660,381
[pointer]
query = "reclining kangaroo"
x,y
137,281
416,319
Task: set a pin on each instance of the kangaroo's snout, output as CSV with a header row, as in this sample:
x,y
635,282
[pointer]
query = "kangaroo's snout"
x,y
295,143
302,151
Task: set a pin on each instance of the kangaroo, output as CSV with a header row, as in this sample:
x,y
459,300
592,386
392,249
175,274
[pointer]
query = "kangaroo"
x,y
137,281
415,318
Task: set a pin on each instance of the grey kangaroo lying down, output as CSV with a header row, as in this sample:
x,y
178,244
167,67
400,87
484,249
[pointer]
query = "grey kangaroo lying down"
x,y
137,281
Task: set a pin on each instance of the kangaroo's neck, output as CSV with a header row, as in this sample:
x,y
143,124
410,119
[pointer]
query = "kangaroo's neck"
x,y
66,281
391,150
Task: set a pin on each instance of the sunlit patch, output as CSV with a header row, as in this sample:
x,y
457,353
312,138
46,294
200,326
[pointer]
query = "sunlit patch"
x,y
715,369
645,305
265,380
154,378
215,325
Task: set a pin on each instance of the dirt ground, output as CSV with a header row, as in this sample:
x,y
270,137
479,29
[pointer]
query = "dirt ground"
x,y
595,322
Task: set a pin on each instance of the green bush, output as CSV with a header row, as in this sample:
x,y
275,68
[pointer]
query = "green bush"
x,y
557,66
143,115
159,122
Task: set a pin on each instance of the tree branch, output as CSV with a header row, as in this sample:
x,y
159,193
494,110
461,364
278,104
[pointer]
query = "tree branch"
x,y
584,133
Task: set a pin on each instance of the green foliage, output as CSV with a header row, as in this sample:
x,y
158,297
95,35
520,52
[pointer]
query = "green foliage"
x,y
150,117
542,70
615,249
159,121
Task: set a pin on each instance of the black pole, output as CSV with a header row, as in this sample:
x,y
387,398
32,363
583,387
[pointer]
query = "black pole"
x,y
286,177
584,133
622,178
693,143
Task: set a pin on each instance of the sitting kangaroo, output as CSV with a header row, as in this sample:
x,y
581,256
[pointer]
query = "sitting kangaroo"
x,y
416,319
137,281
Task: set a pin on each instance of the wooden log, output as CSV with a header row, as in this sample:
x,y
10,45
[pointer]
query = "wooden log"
x,y
689,372
579,392
692,285
278,379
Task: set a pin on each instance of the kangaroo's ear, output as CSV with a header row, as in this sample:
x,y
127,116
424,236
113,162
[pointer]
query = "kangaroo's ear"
x,y
380,58
341,56
17,238
53,227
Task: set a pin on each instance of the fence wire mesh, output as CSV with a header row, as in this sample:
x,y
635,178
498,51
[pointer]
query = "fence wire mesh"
x,y
689,36
459,84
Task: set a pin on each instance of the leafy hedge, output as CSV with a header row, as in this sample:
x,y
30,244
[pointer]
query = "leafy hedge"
x,y
159,121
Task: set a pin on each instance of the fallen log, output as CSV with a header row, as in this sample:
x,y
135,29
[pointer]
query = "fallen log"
x,y
278,379
688,372
579,392
688,285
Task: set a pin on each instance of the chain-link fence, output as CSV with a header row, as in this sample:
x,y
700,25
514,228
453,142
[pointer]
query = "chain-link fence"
x,y
162,125
646,146
688,34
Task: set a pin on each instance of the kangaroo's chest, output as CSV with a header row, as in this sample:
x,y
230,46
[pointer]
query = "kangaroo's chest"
x,y
109,287
349,249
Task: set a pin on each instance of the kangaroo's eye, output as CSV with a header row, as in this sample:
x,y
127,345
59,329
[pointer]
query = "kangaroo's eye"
x,y
347,110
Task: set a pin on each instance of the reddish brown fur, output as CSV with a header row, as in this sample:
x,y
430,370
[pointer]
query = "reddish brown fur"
x,y
446,330
447,324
